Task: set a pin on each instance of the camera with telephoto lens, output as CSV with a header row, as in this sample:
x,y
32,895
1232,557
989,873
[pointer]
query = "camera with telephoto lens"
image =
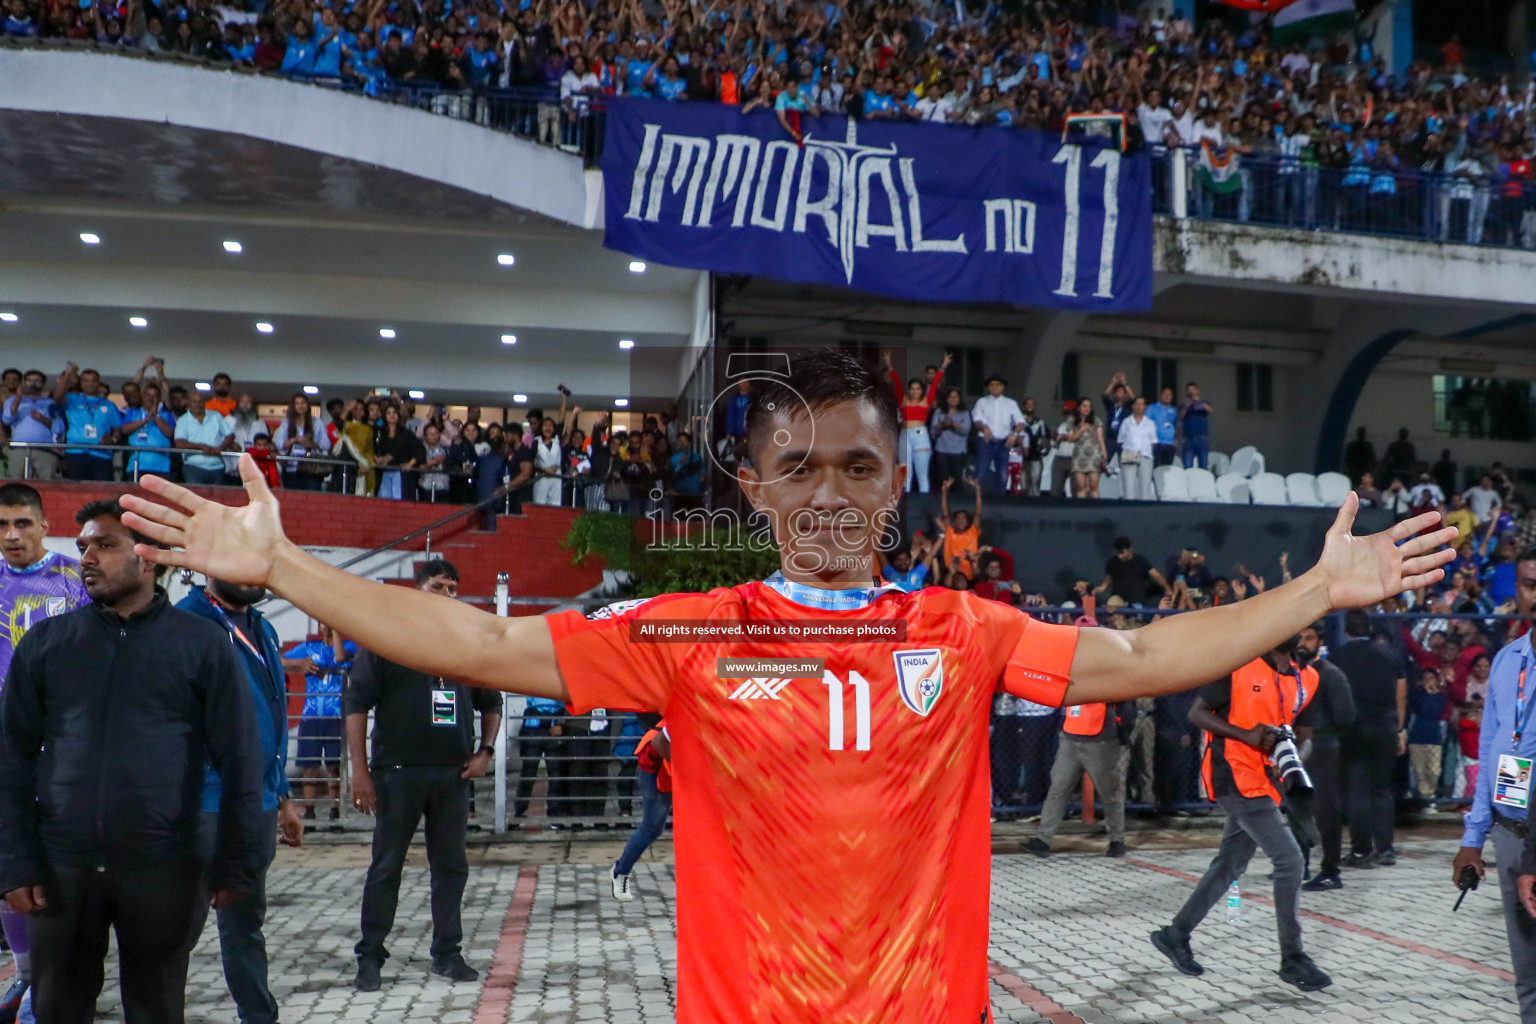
x,y
1287,762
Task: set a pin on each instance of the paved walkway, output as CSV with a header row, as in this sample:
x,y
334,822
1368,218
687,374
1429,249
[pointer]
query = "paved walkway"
x,y
1069,942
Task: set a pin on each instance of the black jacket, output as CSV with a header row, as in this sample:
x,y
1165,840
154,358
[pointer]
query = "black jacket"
x,y
105,726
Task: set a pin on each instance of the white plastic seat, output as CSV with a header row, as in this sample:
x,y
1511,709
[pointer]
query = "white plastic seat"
x,y
1245,461
1221,463
1268,489
1175,486
1201,484
1332,489
1161,474
1301,488
1233,487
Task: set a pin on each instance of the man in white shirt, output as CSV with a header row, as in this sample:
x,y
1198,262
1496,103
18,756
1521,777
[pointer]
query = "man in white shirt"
x,y
999,418
1426,493
936,104
1483,499
1153,117
1064,449
1137,436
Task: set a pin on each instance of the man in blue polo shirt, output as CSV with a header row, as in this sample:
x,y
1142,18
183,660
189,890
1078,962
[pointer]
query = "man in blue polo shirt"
x,y
88,420
1500,803
1166,415
33,418
324,663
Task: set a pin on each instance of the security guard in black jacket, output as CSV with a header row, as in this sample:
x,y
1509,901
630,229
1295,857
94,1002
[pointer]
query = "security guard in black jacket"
x,y
1329,715
108,717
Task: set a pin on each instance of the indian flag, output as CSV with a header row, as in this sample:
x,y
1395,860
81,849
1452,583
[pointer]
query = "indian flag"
x,y
1218,174
1307,18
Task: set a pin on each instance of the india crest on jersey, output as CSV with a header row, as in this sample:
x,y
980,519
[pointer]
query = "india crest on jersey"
x,y
920,678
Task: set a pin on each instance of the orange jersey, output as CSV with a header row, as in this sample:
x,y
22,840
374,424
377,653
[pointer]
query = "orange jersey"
x,y
832,835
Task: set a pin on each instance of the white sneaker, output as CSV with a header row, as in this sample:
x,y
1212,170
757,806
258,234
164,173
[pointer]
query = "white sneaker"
x,y
621,890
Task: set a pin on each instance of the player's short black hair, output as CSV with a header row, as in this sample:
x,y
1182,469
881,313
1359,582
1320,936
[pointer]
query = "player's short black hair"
x,y
21,496
1122,543
112,508
432,569
1527,554
819,378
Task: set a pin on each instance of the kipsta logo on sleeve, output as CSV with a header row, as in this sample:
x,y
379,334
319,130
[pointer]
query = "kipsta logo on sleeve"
x,y
920,678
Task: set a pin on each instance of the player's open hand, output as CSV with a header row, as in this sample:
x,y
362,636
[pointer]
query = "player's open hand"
x,y
1361,571
239,545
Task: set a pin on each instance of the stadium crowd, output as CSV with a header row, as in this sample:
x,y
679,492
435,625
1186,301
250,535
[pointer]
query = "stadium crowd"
x,y
1324,135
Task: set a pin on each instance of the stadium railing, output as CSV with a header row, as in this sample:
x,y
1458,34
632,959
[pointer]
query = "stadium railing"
x,y
1271,191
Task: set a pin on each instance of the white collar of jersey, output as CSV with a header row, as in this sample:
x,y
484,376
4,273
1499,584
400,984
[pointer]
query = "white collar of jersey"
x,y
820,597
37,566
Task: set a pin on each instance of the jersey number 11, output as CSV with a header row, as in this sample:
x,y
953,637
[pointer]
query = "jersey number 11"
x,y
835,730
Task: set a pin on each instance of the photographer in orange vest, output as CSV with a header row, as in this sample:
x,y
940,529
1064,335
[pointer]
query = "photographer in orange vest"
x,y
1251,754
1091,738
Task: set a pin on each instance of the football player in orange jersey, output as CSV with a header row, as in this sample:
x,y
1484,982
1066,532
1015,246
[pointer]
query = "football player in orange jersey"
x,y
832,829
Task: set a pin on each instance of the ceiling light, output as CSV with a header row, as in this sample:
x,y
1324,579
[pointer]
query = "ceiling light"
x,y
90,239
138,321
386,332
621,402
203,385
506,259
416,395
520,399
263,327
310,389
230,245
509,339
9,318
626,343
637,266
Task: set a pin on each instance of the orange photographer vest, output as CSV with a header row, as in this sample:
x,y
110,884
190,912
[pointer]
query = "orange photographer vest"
x,y
1085,719
1260,695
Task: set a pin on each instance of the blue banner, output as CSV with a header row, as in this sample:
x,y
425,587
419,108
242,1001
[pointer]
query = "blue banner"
x,y
930,212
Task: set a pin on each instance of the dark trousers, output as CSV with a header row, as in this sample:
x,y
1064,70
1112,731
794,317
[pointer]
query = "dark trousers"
x,y
242,946
535,745
1253,823
1037,752
588,771
87,467
1007,755
1175,768
947,466
992,469
405,795
151,909
1061,472
1370,757
1162,455
1323,766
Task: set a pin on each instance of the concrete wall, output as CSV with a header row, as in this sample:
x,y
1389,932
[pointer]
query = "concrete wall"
x,y
323,120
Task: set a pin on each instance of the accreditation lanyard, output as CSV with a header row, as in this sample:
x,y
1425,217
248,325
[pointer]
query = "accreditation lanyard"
x,y
1301,695
836,600
1520,708
236,634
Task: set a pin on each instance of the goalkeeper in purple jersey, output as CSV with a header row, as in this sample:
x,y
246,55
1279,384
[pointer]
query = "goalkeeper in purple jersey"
x,y
35,584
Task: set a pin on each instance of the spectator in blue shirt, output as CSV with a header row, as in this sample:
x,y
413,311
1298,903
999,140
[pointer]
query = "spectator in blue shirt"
x,y
481,63
792,102
34,418
151,427
1166,415
736,411
324,663
670,84
17,21
328,45
89,419
299,57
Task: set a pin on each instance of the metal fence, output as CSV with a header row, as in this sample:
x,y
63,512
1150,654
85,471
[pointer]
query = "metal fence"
x,y
1396,202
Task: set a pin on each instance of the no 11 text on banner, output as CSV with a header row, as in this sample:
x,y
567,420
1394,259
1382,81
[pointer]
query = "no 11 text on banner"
x,y
927,212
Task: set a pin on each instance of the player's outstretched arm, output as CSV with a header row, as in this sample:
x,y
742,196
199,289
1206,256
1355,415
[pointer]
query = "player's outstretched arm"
x,y
424,631
1183,651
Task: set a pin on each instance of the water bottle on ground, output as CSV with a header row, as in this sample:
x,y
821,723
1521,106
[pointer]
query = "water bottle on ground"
x,y
1234,904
